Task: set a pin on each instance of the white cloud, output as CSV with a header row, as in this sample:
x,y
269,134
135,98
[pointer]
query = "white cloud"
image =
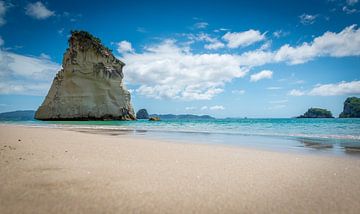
x,y
141,30
265,74
341,88
280,33
238,92
167,70
334,89
201,25
213,108
124,47
274,88
296,93
171,70
242,39
345,43
204,108
45,56
307,19
1,41
217,107
38,10
21,74
214,43
349,10
3,9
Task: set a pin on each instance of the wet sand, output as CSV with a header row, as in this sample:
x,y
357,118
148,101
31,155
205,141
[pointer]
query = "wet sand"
x,y
45,170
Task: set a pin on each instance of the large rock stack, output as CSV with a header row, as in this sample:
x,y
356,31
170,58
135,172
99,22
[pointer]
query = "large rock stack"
x,y
89,86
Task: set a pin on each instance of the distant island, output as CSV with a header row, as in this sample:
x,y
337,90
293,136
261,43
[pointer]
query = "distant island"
x,y
142,114
351,108
316,113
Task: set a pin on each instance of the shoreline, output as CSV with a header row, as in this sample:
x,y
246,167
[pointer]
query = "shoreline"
x,y
61,171
277,143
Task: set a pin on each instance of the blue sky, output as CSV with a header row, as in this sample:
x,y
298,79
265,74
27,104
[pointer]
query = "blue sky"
x,y
223,58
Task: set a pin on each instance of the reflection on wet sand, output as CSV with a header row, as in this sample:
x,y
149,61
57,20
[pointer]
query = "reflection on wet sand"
x,y
315,145
113,132
352,150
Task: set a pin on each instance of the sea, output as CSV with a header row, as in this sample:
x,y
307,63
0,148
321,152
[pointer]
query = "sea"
x,y
334,136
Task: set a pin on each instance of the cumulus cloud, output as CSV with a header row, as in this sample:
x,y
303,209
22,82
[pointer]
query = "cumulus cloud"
x,y
171,70
265,74
242,39
307,19
167,70
212,43
333,89
21,74
333,44
38,10
124,47
341,88
344,43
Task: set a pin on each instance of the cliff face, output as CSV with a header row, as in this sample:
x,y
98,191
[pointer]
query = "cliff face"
x,y
351,108
89,86
316,113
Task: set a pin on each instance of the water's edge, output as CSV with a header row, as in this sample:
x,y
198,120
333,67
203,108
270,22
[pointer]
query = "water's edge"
x,y
334,136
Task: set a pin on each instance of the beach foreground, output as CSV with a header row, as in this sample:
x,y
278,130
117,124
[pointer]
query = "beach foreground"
x,y
44,170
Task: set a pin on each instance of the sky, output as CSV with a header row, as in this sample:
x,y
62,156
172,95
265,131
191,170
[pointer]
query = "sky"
x,y
221,58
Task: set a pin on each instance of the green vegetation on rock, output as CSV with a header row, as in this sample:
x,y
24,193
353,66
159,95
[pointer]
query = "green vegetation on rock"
x,y
87,40
351,108
317,113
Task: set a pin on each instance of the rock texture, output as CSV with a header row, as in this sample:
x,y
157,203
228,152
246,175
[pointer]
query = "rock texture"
x,y
142,114
154,118
316,113
351,108
89,86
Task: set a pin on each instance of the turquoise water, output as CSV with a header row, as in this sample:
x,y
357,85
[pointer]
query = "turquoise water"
x,y
325,134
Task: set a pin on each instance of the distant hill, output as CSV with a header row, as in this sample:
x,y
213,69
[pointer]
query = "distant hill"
x,y
17,115
182,117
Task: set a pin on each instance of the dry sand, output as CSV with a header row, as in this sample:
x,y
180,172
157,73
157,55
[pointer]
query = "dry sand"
x,y
63,171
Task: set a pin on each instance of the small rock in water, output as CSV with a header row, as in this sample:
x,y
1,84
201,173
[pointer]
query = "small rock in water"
x,y
154,118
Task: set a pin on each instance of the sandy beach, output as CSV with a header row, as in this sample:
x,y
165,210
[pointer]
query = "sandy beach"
x,y
48,170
